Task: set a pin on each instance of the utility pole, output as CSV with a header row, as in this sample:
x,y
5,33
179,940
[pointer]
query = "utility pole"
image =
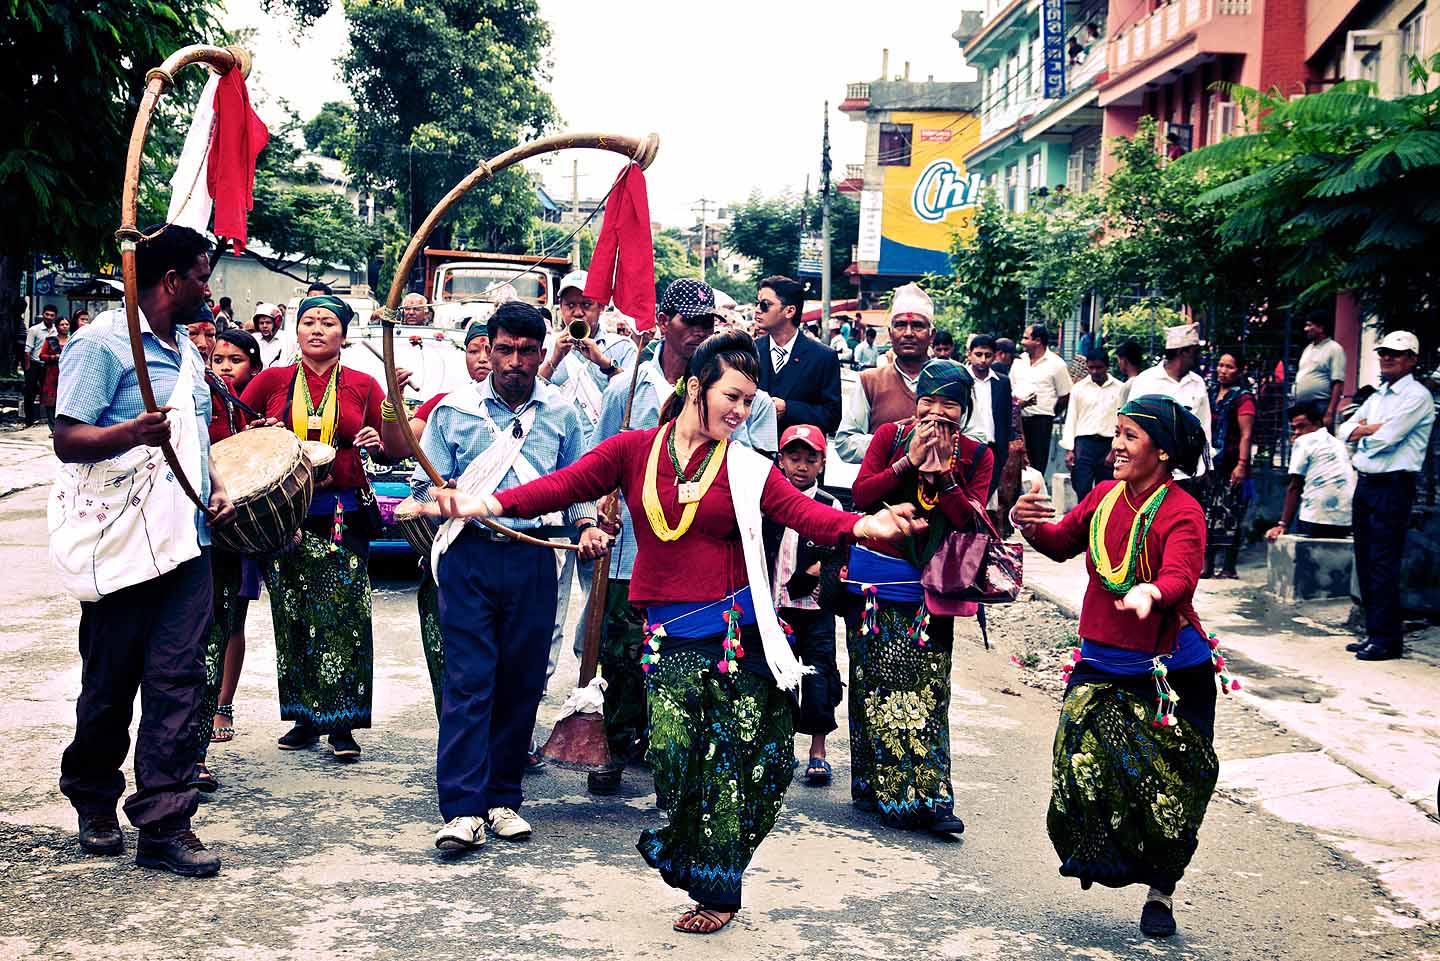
x,y
825,225
704,205
575,215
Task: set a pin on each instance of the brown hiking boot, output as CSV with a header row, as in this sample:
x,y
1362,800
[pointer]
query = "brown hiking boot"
x,y
101,834
182,853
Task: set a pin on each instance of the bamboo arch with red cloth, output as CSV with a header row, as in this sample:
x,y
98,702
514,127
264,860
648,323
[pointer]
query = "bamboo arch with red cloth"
x,y
222,60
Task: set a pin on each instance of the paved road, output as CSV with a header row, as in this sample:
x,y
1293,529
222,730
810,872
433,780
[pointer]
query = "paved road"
x,y
328,861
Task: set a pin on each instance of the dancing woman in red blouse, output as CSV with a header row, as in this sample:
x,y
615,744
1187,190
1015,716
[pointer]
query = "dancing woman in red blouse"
x,y
900,649
718,664
1134,762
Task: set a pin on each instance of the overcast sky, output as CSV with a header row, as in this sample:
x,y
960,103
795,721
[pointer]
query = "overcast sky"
x,y
736,90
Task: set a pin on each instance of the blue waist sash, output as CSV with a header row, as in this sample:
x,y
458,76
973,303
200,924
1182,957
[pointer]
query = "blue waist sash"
x,y
893,578
1191,648
323,503
698,619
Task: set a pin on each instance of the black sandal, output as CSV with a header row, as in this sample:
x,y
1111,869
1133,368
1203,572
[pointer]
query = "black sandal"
x,y
709,915
818,772
203,781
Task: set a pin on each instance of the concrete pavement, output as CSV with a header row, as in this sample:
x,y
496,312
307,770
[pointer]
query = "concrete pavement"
x,y
325,861
1369,787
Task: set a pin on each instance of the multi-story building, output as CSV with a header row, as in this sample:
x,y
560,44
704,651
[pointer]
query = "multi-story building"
x,y
915,190
1028,141
1346,40
1164,60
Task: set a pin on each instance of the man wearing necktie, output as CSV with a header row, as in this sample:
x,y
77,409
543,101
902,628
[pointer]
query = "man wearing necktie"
x,y
801,374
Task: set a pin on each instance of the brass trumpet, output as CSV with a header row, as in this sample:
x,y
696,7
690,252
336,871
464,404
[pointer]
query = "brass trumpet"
x,y
578,329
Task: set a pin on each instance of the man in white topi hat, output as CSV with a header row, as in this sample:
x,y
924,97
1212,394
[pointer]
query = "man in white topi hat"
x,y
1175,378
886,394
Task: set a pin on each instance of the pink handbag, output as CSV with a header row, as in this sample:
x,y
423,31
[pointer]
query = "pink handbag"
x,y
973,567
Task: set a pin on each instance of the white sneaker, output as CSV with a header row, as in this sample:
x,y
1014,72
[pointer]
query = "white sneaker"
x,y
508,825
461,833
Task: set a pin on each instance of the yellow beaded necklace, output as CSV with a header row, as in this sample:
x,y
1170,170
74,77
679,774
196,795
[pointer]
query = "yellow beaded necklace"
x,y
650,493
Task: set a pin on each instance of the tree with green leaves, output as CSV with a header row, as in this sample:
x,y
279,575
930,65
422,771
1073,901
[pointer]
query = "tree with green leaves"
x,y
990,261
768,229
331,132
673,260
440,85
1345,186
67,63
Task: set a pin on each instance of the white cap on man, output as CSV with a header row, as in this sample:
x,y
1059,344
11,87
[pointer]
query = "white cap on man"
x,y
576,279
1184,335
910,299
1400,341
263,309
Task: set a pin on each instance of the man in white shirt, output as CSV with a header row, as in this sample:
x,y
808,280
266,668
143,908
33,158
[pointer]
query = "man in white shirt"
x,y
1320,378
30,360
276,347
1175,378
1392,431
1090,424
1040,381
1322,482
867,354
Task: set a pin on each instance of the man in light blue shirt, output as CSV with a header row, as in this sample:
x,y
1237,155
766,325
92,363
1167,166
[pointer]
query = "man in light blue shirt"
x,y
497,596
582,369
150,637
1391,431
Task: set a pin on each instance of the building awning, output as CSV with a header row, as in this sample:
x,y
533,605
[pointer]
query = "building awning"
x,y
835,305
993,146
1157,71
1062,111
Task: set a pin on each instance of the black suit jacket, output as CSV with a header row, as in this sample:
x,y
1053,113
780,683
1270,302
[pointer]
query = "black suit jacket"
x,y
809,383
1000,403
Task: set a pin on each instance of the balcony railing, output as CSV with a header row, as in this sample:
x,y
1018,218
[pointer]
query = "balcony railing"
x,y
1157,31
854,171
857,91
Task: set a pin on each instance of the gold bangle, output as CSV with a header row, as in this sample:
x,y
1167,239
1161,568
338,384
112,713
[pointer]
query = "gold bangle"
x,y
387,412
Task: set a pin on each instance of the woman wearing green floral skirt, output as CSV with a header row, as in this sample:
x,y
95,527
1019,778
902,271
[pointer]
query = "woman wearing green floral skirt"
x,y
900,649
718,666
1134,762
320,589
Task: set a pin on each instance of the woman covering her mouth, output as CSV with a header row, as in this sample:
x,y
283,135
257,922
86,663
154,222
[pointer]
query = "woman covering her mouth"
x,y
717,662
1134,763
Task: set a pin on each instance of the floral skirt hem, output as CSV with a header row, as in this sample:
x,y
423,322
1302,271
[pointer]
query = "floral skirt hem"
x,y
1127,799
722,753
900,719
324,651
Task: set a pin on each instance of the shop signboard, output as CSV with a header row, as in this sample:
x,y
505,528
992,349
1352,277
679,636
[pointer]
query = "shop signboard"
x,y
927,195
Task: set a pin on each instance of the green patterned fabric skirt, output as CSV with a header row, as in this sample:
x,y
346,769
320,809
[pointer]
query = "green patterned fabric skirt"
x,y
1127,799
320,603
228,613
900,719
428,598
624,680
722,752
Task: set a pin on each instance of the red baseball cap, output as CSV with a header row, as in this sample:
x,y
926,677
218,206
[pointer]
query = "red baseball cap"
x,y
811,437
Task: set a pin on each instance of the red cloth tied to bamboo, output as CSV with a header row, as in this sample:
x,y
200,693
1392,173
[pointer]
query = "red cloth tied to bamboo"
x,y
240,135
622,268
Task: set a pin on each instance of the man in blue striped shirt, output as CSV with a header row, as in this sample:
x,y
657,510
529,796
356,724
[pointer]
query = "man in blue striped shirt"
x,y
148,637
1392,430
497,596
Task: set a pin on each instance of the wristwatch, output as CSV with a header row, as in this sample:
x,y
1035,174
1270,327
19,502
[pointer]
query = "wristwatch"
x,y
584,524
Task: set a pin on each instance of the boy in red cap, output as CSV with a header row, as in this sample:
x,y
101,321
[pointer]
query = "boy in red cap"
x,y
795,563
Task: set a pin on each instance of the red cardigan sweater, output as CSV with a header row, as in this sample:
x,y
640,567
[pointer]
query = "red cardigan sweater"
x,y
705,564
360,397
1174,552
877,484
